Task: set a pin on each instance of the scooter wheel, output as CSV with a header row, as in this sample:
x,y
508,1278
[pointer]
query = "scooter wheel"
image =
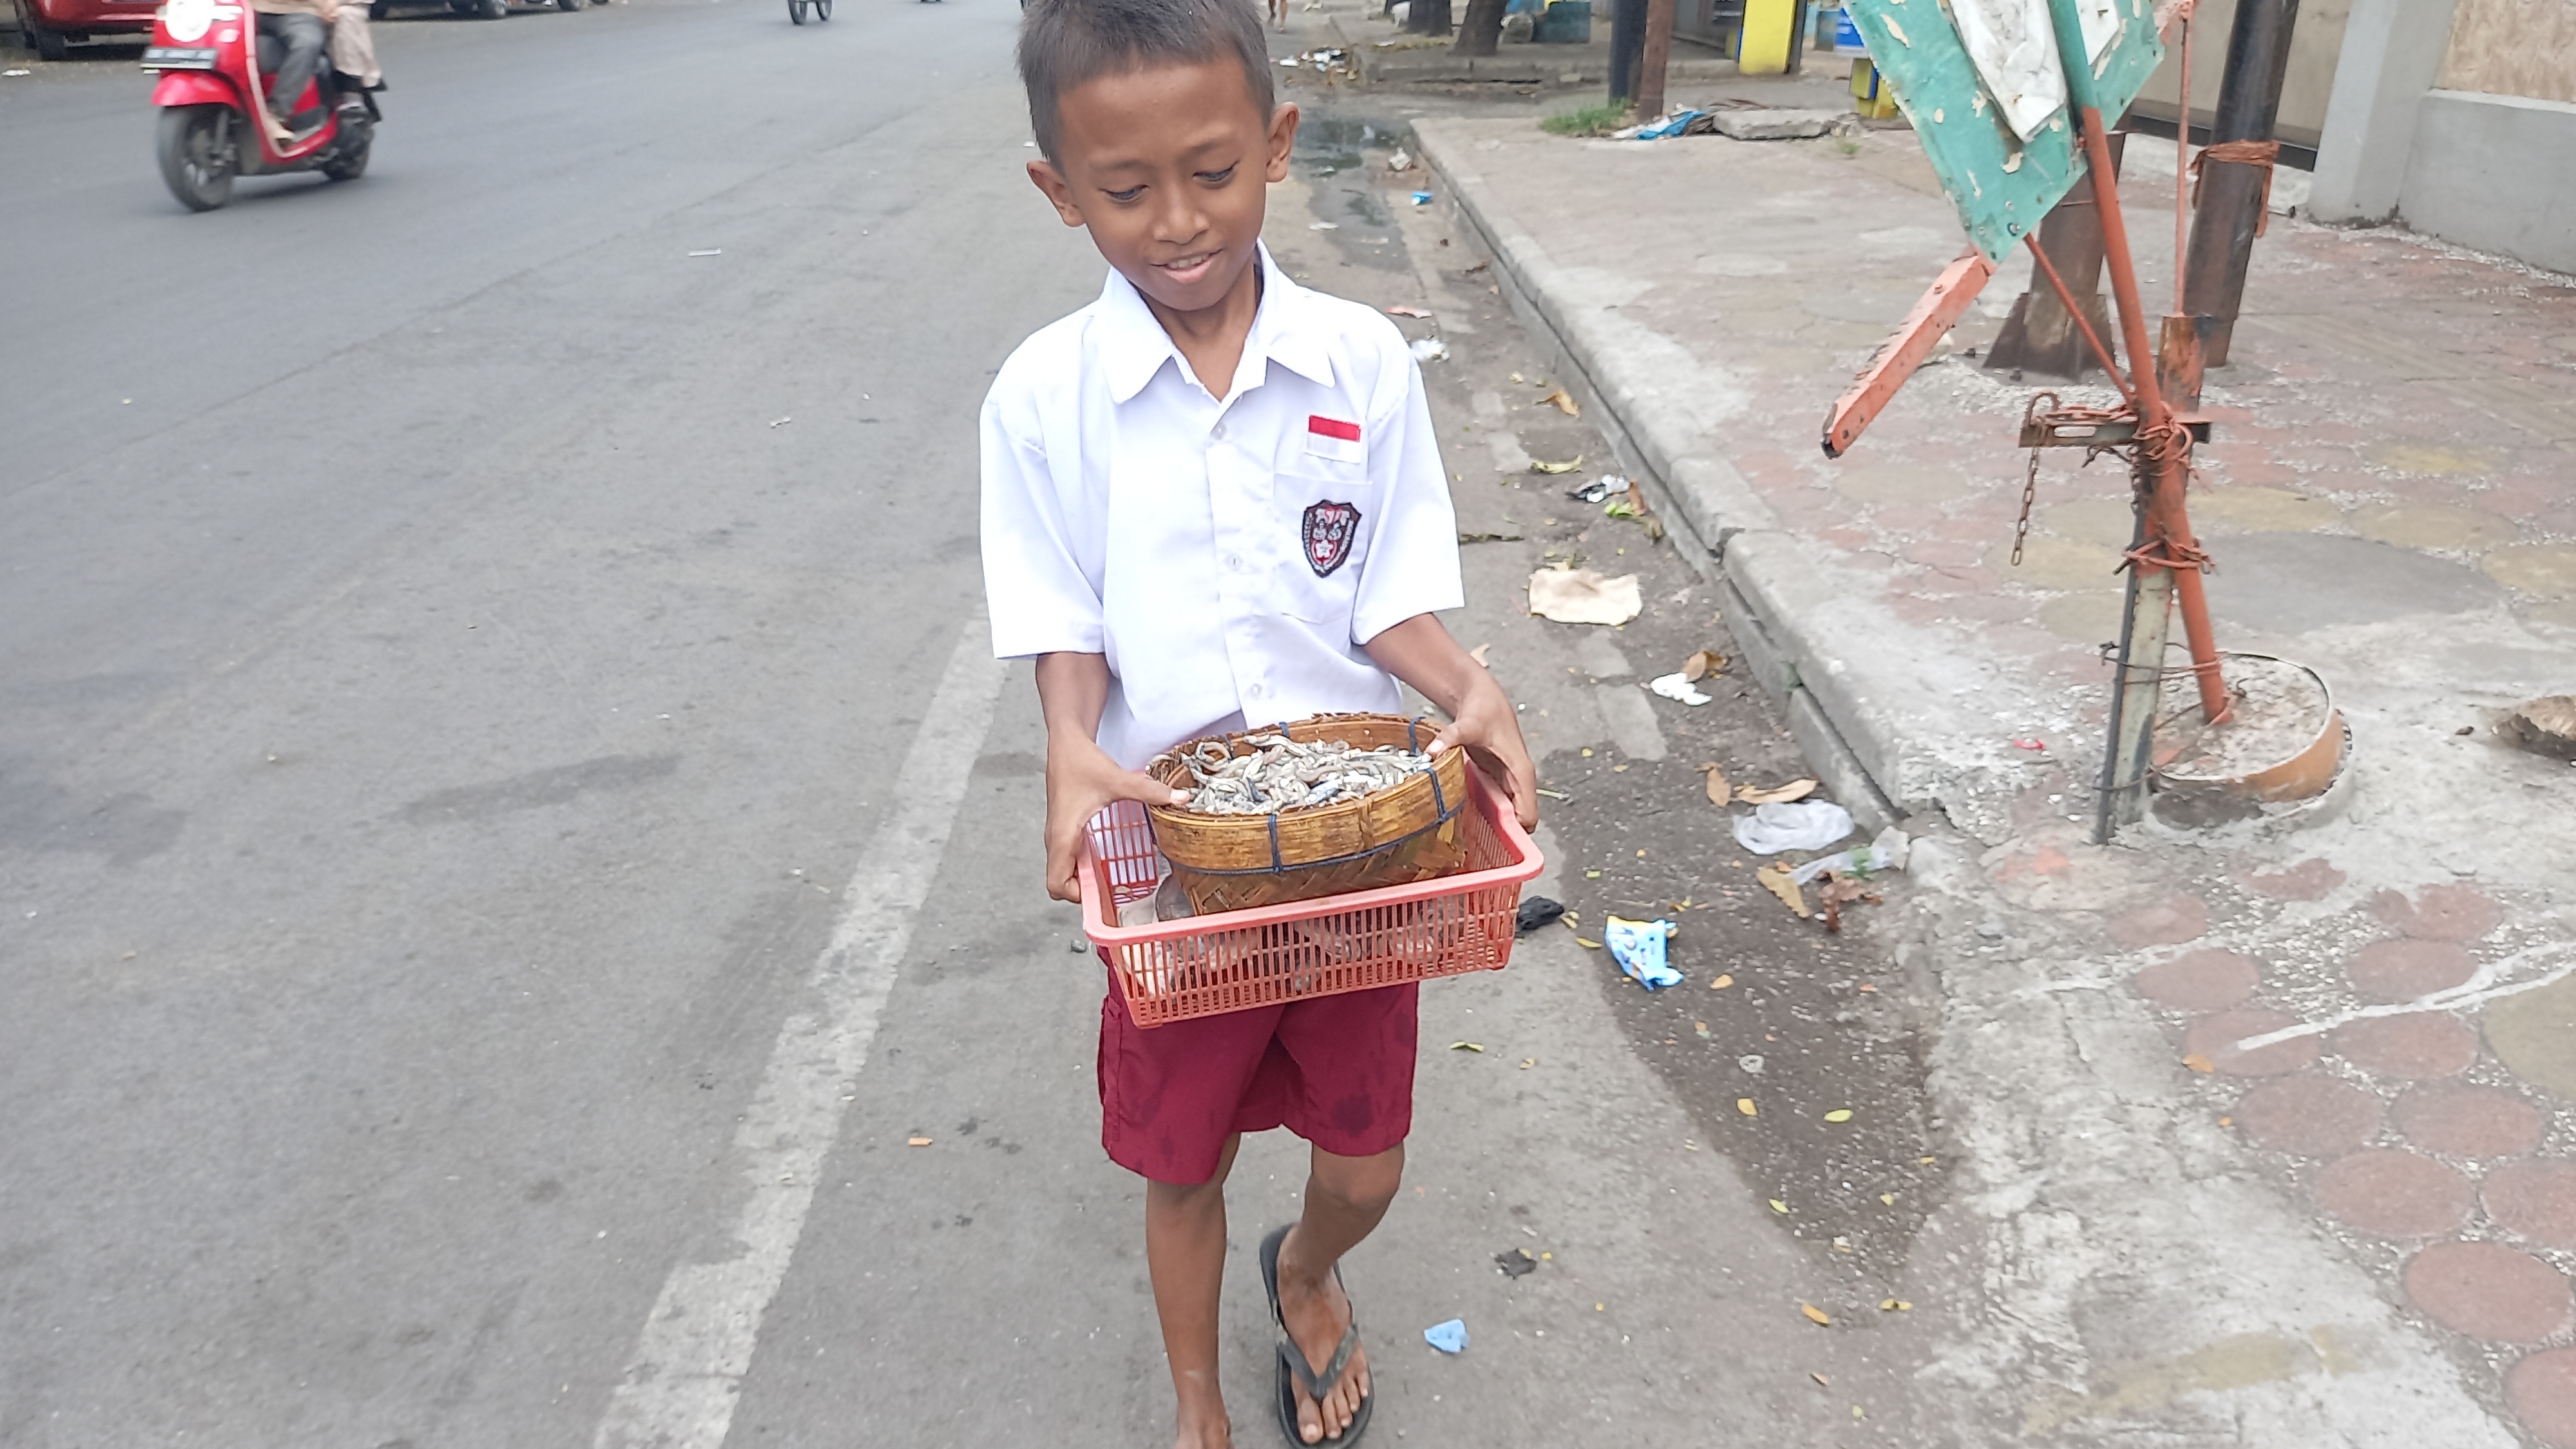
x,y
198,159
796,12
822,9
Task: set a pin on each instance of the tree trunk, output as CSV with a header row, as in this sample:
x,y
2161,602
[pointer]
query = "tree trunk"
x,y
1428,17
1482,32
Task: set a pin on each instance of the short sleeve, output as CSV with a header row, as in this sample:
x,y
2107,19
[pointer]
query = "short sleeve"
x,y
1034,587
1412,564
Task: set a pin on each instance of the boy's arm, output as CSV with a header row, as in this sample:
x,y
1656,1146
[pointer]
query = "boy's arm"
x,y
1482,721
1081,778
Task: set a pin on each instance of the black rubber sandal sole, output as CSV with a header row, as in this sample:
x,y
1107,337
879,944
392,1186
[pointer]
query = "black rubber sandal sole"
x,y
1291,1367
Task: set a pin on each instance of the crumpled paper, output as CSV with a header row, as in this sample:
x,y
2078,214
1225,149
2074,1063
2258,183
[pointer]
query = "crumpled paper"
x,y
1581,596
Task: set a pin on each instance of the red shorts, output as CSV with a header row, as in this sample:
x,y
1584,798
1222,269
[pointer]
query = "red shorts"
x,y
1335,1070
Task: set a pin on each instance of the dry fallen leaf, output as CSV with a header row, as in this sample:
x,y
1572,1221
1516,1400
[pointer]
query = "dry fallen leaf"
x,y
1564,401
1721,983
1894,1305
1815,1315
1778,1206
1589,945
1516,377
1717,787
1819,1378
1406,312
1540,467
1776,880
1888,1198
917,1142
1465,1046
1745,1106
1528,1062
1777,795
2199,1063
1702,664
1478,654
1839,1114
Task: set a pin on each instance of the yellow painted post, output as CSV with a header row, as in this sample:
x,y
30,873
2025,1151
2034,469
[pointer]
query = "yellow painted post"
x,y
1770,28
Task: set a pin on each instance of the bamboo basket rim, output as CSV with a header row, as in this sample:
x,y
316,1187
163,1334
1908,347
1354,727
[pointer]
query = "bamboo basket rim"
x,y
1446,803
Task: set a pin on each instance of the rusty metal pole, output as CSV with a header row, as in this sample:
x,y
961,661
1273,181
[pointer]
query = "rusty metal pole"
x,y
2041,335
2164,528
2234,193
1651,65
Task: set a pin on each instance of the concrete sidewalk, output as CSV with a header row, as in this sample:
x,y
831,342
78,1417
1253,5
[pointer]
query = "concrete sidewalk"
x,y
2264,1131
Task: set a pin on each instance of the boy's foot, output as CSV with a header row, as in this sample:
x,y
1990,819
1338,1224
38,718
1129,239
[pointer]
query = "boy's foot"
x,y
1317,1313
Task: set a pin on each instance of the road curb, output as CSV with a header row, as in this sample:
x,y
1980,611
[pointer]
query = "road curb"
x,y
1770,589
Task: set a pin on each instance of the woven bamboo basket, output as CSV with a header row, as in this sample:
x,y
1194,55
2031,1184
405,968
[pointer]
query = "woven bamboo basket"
x,y
1409,832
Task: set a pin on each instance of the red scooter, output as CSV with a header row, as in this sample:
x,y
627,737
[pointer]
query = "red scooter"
x,y
215,104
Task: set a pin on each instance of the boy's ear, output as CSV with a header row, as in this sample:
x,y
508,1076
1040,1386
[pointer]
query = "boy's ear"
x,y
1283,140
1059,192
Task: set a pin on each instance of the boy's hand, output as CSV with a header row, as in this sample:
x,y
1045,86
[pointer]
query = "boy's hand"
x,y
1488,729
1482,721
1081,780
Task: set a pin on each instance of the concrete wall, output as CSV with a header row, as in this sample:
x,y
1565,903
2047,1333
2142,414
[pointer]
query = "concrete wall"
x,y
2315,41
2497,173
2513,48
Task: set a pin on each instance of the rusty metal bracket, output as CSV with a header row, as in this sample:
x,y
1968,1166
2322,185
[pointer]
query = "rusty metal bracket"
x,y
1905,350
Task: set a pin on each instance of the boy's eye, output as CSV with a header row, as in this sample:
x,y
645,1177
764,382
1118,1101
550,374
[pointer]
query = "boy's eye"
x,y
1216,178
1128,195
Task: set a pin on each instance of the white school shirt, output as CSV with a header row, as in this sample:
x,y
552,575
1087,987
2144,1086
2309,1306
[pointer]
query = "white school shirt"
x,y
1228,556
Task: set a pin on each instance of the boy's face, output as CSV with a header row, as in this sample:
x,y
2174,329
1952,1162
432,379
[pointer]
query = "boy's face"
x,y
1168,166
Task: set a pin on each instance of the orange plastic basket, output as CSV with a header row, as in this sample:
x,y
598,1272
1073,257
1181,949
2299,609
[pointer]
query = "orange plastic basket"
x,y
1236,960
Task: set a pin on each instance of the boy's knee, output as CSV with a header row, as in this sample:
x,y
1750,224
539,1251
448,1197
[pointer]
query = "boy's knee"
x,y
1366,1184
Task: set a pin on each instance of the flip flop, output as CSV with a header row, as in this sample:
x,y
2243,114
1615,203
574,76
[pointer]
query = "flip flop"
x,y
1292,1359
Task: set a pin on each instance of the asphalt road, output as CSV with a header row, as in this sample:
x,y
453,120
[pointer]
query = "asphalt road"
x,y
507,829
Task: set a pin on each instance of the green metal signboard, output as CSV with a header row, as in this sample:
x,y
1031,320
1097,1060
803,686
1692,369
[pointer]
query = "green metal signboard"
x,y
2002,182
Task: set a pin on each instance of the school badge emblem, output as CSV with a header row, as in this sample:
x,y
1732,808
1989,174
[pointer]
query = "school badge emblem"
x,y
1327,532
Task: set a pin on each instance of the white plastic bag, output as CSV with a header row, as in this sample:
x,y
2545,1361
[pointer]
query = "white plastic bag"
x,y
1792,825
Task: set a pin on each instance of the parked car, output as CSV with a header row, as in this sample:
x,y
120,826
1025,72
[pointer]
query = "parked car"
x,y
477,9
51,25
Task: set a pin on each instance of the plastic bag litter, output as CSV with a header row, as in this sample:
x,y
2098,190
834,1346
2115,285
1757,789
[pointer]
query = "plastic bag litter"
x,y
1792,825
1678,687
1638,946
1449,1337
1600,489
1428,349
1580,596
1676,124
1422,198
1887,852
1535,912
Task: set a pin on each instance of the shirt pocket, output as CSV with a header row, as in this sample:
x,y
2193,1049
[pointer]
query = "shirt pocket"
x,y
1326,522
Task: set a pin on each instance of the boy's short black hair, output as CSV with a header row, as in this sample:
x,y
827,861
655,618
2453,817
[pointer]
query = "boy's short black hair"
x,y
1065,43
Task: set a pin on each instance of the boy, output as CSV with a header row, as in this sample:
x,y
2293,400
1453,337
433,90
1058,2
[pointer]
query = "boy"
x,y
1212,500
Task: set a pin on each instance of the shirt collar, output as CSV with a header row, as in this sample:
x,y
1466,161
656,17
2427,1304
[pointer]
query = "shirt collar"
x,y
1285,330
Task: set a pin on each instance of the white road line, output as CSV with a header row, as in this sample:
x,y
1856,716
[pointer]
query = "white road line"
x,y
681,1387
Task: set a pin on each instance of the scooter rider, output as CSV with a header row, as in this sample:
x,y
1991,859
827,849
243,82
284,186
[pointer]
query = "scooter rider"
x,y
303,28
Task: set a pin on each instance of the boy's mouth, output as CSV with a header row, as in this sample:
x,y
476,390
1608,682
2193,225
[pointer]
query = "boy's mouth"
x,y
1191,268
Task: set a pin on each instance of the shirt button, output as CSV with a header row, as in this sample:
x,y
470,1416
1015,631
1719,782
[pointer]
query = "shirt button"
x,y
1218,432
1235,562
1254,691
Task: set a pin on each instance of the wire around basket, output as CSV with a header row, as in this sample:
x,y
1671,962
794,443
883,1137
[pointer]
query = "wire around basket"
x,y
1268,954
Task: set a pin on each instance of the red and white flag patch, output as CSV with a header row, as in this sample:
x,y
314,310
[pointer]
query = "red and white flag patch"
x,y
1332,438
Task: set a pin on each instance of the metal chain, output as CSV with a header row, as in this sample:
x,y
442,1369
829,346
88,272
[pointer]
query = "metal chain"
x,y
2039,406
2029,494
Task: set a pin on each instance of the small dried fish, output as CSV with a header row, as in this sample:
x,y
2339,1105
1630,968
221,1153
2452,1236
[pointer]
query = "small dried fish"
x,y
1285,774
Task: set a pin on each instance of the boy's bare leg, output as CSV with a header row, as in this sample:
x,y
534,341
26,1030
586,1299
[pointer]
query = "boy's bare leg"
x,y
1185,1254
1345,1197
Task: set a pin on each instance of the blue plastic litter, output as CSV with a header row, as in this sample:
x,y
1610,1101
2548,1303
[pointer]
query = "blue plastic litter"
x,y
1450,1337
1638,946
1422,198
1672,125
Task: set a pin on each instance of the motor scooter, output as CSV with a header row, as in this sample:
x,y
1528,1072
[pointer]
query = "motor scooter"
x,y
215,104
